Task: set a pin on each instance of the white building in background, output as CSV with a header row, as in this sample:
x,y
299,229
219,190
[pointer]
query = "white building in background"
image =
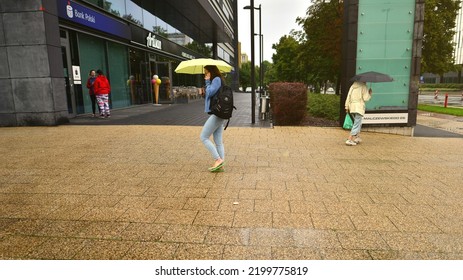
x,y
179,38
244,58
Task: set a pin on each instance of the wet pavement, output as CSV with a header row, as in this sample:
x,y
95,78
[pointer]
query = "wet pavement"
x,y
143,191
186,114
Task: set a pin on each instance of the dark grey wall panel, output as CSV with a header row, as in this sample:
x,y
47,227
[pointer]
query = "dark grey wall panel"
x,y
33,95
4,70
59,94
2,35
6,96
52,33
35,119
24,29
28,61
55,61
19,5
8,119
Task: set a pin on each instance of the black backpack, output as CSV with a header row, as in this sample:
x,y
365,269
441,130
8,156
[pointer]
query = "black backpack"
x,y
222,103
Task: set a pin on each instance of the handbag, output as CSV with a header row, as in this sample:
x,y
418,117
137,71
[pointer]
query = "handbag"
x,y
347,122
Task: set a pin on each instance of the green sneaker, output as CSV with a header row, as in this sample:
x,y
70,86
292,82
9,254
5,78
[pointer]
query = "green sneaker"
x,y
214,169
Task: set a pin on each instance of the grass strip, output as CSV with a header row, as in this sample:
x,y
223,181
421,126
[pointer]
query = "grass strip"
x,y
441,110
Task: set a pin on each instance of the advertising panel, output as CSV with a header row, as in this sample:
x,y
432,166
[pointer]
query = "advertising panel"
x,y
385,41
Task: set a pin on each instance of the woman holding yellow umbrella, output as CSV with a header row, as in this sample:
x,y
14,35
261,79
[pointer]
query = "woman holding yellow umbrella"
x,y
214,125
211,69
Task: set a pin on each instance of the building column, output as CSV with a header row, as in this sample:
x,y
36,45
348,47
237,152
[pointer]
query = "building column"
x,y
32,86
416,62
349,51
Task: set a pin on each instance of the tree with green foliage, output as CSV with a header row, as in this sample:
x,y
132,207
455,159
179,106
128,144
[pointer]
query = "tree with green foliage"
x,y
438,48
160,31
131,18
245,75
286,60
322,41
270,74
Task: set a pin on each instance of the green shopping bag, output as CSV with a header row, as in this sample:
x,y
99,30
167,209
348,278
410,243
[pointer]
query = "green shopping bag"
x,y
347,122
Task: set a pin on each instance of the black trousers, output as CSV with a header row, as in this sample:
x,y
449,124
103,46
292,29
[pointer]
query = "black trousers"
x,y
93,98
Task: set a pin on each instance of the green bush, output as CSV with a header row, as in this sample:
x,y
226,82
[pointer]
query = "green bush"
x,y
323,106
288,102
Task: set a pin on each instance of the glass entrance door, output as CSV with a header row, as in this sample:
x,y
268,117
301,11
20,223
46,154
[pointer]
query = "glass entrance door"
x,y
70,93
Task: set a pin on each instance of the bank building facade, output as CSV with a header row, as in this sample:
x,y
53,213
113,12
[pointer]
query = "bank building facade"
x,y
48,47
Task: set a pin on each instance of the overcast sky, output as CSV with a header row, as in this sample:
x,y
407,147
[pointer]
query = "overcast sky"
x,y
278,19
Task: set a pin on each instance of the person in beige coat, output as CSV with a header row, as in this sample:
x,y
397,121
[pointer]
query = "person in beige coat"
x,y
355,105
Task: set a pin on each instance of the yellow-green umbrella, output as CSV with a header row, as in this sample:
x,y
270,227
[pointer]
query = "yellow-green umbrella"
x,y
196,66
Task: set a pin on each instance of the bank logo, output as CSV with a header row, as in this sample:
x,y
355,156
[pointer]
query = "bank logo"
x,y
69,10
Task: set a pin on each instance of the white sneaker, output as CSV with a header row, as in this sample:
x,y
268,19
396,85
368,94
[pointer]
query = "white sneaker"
x,y
358,140
350,143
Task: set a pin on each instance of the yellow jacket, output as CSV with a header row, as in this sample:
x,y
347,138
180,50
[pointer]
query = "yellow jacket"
x,y
358,95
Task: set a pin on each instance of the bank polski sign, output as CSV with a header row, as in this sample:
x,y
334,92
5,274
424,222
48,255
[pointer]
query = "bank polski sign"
x,y
70,11
80,14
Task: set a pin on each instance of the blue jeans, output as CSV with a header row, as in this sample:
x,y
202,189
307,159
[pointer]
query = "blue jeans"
x,y
214,126
357,124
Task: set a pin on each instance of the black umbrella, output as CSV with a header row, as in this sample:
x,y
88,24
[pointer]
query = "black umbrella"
x,y
372,77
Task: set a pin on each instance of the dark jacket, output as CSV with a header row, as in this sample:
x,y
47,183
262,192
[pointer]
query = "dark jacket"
x,y
90,82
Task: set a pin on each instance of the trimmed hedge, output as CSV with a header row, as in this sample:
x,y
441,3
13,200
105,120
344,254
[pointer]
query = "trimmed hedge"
x,y
288,102
324,106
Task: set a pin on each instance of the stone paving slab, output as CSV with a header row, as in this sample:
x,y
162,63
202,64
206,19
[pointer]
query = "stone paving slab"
x,y
144,192
438,125
183,114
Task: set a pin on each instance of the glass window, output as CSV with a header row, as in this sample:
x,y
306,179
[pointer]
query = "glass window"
x,y
139,81
161,27
98,3
116,7
171,30
149,21
92,56
133,13
118,73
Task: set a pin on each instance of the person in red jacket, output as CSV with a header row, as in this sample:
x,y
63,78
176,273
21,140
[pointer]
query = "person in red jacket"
x,y
102,90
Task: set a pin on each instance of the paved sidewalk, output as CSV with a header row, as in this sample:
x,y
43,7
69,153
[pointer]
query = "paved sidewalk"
x,y
144,192
125,188
438,125
190,114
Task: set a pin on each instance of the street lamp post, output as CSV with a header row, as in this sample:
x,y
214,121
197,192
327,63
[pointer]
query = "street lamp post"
x,y
253,69
261,63
261,50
